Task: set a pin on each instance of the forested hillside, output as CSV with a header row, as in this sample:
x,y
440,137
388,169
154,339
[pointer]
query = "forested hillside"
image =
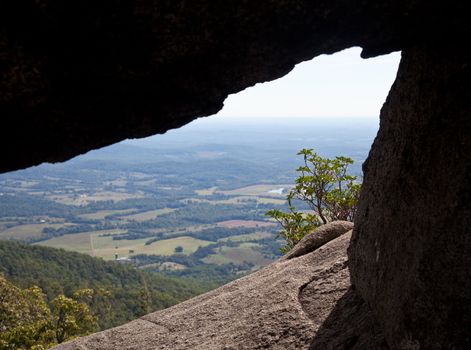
x,y
132,292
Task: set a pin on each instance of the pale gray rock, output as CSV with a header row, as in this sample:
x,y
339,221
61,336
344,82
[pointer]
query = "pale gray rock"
x,y
319,237
264,310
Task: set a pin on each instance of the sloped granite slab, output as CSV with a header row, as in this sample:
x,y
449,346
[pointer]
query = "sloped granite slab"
x,y
265,310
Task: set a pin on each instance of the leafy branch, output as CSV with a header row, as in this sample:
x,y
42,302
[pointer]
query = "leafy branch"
x,y
329,191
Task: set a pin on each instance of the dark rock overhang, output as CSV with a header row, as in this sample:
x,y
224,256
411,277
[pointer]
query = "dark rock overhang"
x,y
81,75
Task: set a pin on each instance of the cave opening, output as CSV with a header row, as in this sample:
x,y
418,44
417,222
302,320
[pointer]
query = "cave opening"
x,y
79,76
191,203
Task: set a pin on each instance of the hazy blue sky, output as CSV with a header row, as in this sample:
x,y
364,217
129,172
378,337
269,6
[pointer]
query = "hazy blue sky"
x,y
339,85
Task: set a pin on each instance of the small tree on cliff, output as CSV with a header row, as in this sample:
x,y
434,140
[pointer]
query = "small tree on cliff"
x,y
326,187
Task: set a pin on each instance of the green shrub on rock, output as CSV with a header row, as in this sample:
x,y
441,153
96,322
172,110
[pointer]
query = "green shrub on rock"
x,y
329,191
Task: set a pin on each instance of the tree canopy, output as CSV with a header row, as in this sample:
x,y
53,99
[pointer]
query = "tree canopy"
x,y
27,321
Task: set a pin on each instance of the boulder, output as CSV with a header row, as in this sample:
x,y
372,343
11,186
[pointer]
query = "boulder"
x,y
281,306
318,238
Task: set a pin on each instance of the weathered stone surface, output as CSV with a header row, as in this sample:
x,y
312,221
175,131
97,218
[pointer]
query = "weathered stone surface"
x,y
318,238
78,75
272,308
410,256
351,325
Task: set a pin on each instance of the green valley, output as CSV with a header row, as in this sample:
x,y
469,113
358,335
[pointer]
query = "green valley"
x,y
168,217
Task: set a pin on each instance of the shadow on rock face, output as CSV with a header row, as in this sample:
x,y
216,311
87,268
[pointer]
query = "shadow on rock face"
x,y
350,325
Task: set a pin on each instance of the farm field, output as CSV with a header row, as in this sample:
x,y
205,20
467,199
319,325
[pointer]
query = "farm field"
x,y
79,242
24,232
101,214
244,253
148,183
120,182
187,230
247,237
206,191
244,223
101,244
88,219
261,190
239,200
83,242
84,199
106,247
164,221
147,215
167,246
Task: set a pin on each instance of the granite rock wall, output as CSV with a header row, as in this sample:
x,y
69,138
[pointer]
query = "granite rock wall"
x,y
75,76
410,255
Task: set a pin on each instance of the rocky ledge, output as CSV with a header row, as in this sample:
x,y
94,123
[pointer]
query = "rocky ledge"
x,y
291,304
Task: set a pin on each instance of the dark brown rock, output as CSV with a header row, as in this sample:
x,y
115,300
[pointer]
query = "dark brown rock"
x,y
410,256
263,310
79,75
351,325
